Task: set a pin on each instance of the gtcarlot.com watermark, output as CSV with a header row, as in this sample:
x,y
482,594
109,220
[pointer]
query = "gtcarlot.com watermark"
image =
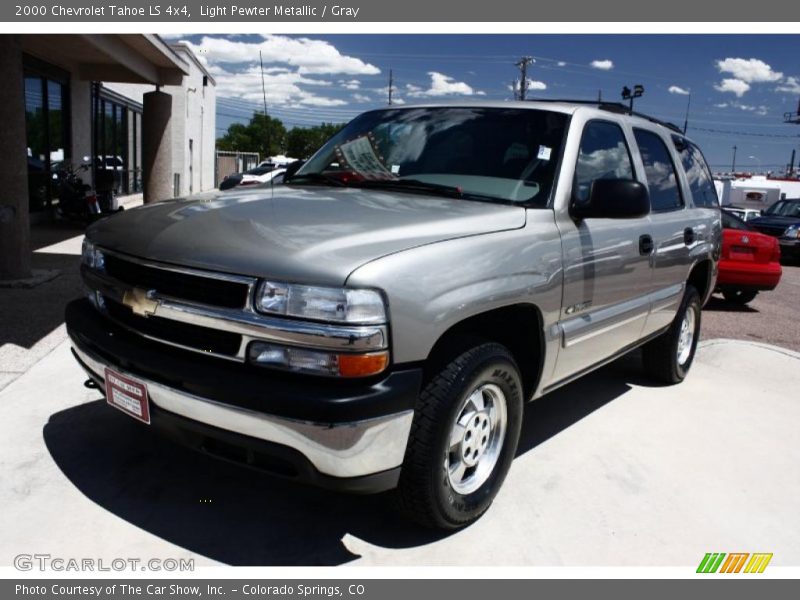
x,y
47,562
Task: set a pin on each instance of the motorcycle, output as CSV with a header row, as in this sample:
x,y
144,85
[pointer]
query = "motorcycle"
x,y
76,199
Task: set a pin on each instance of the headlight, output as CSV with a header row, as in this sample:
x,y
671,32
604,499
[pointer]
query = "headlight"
x,y
793,231
316,362
338,305
91,256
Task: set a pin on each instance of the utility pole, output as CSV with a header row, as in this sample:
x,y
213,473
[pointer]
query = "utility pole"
x,y
264,93
522,64
391,86
686,120
733,164
263,87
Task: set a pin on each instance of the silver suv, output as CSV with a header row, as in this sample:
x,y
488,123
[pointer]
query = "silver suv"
x,y
380,321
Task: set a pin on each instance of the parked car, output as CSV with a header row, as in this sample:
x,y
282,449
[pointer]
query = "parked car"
x,y
745,214
379,322
750,261
782,221
261,175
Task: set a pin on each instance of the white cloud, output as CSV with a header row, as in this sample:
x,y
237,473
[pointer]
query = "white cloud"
x,y
750,70
398,101
734,86
603,65
308,56
759,110
353,84
674,89
561,63
362,98
721,105
536,85
442,85
790,85
283,87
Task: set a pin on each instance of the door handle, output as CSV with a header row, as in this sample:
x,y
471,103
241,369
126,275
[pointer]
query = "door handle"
x,y
645,245
688,236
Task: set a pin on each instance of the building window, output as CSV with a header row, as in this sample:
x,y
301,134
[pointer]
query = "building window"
x,y
47,119
117,142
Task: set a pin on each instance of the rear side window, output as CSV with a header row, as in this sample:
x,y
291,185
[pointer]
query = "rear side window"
x,y
603,155
659,171
701,184
730,221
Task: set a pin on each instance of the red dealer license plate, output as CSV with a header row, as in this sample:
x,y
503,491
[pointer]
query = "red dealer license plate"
x,y
128,395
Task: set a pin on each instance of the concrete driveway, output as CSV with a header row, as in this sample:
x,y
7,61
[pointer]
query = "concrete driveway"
x,y
610,471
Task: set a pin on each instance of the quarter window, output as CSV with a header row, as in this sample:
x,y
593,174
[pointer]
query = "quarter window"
x,y
701,184
659,170
603,155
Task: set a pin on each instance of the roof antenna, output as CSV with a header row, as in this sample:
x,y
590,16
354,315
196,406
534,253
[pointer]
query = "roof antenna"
x,y
263,88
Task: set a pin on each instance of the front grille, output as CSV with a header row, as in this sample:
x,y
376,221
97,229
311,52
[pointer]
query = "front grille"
x,y
191,336
195,288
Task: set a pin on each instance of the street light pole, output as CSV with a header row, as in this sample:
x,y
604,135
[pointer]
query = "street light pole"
x,y
631,95
733,164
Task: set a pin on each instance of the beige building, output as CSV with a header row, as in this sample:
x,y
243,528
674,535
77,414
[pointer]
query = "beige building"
x,y
143,108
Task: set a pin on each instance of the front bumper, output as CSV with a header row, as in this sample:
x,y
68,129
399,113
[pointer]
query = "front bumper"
x,y
790,247
351,437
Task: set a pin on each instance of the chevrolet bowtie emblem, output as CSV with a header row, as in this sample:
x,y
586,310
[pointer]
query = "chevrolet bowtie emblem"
x,y
140,301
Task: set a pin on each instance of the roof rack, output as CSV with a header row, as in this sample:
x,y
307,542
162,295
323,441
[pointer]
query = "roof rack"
x,y
615,107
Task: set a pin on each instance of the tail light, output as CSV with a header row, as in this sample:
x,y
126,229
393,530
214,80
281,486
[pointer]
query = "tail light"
x,y
776,251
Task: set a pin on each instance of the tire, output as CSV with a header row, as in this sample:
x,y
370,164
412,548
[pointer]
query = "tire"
x,y
427,493
739,296
668,358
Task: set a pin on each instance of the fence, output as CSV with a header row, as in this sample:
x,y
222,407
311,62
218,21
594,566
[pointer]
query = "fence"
x,y
228,162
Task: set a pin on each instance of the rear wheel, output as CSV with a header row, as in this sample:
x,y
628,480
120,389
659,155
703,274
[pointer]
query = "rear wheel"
x,y
463,439
667,358
739,296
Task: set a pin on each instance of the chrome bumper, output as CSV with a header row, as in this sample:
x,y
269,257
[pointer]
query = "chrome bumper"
x,y
342,450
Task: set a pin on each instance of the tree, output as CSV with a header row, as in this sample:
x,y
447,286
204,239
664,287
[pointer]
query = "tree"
x,y
263,134
302,142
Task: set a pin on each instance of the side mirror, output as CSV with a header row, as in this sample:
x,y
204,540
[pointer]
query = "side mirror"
x,y
613,199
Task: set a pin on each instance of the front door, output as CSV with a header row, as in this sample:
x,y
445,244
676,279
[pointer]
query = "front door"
x,y
607,262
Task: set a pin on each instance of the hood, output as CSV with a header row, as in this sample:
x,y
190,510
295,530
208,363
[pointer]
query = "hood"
x,y
774,221
311,234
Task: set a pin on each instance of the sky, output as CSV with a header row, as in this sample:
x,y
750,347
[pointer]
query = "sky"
x,y
739,86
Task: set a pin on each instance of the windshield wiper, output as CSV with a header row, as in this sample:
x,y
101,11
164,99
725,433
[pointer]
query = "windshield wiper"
x,y
318,178
414,185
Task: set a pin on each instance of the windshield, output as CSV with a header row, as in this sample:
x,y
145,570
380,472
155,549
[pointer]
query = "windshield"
x,y
496,154
784,209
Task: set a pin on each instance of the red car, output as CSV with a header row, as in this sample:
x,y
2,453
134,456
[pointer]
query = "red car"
x,y
750,261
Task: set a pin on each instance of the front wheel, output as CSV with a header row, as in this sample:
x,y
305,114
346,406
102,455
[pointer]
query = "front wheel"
x,y
667,358
463,439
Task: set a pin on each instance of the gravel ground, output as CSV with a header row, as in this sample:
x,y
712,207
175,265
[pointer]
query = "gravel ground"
x,y
773,317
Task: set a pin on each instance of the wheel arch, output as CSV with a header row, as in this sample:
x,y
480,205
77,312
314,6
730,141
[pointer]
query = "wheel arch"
x,y
518,327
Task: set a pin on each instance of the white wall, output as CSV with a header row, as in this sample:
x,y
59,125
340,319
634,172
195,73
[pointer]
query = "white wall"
x,y
194,109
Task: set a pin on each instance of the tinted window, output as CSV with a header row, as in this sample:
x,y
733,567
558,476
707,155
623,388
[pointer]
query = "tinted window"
x,y
659,171
730,221
603,155
784,209
701,184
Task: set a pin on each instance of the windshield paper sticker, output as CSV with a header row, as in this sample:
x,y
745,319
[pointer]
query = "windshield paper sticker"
x,y
361,156
544,153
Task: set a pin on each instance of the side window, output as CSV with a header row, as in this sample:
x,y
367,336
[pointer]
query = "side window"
x,y
603,155
730,221
701,184
659,171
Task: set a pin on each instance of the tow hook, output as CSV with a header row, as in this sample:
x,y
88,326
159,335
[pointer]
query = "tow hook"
x,y
91,384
